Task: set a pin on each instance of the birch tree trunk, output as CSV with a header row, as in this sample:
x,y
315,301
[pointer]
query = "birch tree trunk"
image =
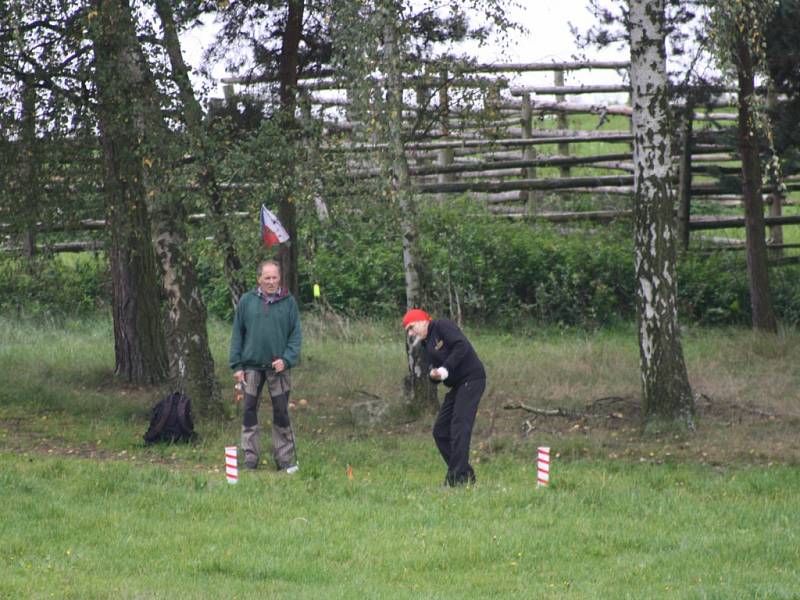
x,y
193,116
665,383
763,314
423,391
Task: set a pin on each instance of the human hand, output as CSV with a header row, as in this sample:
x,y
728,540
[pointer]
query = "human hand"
x,y
238,388
439,374
278,365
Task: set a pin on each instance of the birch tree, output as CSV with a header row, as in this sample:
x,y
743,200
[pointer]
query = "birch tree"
x,y
423,390
381,46
738,33
139,339
136,139
208,179
665,383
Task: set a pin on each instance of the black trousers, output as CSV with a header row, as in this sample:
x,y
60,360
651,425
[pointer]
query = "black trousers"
x,y
453,429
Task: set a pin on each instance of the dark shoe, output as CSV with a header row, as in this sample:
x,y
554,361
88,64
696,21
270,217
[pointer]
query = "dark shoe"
x,y
467,478
251,464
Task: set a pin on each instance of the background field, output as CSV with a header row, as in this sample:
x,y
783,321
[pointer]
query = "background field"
x,y
89,512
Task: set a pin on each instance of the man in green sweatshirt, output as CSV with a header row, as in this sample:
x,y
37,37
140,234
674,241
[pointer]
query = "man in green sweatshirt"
x,y
265,345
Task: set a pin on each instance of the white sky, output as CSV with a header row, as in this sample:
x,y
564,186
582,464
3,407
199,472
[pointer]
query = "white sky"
x,y
548,39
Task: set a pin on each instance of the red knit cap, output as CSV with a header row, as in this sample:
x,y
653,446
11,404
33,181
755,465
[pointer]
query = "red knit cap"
x,y
415,314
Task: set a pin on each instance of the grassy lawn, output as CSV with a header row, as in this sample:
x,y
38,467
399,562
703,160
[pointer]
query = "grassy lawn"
x,y
90,512
109,529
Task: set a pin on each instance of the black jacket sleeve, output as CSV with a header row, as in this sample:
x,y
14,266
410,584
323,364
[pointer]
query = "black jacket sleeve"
x,y
446,346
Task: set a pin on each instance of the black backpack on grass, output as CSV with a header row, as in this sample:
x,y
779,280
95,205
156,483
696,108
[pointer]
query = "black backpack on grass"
x,y
171,420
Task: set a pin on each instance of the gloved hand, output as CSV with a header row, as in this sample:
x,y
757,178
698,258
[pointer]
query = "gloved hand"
x,y
439,374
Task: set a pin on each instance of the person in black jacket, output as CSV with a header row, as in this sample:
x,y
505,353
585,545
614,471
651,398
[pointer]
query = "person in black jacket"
x,y
453,362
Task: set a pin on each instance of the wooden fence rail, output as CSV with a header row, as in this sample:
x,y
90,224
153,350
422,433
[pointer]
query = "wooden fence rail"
x,y
498,157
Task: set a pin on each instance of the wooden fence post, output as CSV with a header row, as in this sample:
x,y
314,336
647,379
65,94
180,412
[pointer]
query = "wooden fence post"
x,y
422,96
528,152
685,178
444,156
561,120
229,92
777,196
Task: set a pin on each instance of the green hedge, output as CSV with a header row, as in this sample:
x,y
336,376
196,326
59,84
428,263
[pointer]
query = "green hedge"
x,y
496,271
61,285
503,271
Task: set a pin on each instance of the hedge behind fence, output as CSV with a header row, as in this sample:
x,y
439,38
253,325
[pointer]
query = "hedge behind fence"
x,y
493,270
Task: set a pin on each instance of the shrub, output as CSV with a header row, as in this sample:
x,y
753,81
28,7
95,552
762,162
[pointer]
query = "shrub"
x,y
56,286
491,269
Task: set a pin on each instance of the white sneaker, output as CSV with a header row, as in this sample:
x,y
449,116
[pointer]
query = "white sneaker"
x,y
292,470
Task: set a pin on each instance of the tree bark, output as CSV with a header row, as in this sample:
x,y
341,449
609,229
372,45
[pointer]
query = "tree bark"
x,y
31,193
287,92
191,365
209,184
763,314
139,342
423,390
665,383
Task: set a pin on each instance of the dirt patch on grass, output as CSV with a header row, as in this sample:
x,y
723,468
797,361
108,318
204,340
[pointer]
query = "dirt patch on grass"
x,y
606,428
611,427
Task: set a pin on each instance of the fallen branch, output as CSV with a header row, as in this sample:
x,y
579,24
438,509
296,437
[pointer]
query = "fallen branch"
x,y
605,400
544,412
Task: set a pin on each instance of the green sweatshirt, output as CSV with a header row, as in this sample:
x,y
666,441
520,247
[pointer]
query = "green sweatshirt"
x,y
263,332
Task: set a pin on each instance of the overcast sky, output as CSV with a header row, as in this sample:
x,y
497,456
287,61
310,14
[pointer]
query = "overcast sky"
x,y
548,39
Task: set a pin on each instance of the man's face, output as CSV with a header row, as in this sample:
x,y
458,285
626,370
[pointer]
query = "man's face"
x,y
417,331
270,280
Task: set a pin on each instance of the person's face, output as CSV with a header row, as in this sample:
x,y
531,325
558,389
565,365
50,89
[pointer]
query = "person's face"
x,y
417,331
270,279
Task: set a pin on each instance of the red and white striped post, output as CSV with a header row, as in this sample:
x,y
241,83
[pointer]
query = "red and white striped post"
x,y
231,464
543,467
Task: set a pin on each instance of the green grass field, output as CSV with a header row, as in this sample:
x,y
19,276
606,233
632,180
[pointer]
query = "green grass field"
x,y
79,528
90,512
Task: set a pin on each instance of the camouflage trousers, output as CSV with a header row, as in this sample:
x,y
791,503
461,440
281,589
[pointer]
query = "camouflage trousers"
x,y
278,387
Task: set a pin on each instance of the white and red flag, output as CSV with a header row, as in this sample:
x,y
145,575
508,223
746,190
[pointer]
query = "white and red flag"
x,y
272,232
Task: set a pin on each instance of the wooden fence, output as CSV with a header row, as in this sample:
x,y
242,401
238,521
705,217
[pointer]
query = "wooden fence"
x,y
499,157
482,136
